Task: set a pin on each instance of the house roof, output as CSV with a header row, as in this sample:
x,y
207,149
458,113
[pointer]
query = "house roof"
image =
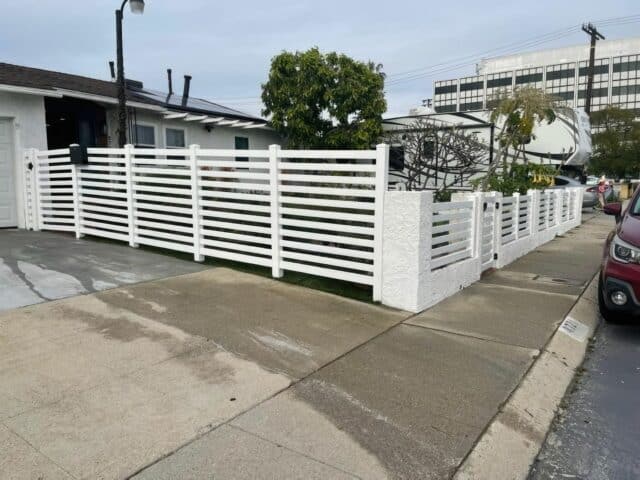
x,y
17,75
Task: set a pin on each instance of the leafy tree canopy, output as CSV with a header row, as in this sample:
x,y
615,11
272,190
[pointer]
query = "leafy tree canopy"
x,y
616,143
517,114
318,100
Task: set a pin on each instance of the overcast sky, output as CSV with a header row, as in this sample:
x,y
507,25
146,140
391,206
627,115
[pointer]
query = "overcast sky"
x,y
227,45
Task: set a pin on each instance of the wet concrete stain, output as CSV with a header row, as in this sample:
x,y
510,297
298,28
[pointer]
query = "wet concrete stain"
x,y
404,453
56,265
12,264
413,427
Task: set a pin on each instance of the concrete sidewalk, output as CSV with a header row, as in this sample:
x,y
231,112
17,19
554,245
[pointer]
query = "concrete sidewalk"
x,y
220,374
412,401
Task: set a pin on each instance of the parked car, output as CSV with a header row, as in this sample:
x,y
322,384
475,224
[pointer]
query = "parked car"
x,y
619,286
592,180
590,198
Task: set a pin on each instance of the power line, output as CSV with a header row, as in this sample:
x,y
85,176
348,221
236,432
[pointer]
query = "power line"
x,y
467,60
450,65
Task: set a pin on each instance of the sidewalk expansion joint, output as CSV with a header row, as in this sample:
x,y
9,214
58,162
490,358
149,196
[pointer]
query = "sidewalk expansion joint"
x,y
475,337
302,454
530,290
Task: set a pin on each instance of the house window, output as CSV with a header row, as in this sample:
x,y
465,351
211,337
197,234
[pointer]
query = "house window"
x,y
174,138
145,136
242,143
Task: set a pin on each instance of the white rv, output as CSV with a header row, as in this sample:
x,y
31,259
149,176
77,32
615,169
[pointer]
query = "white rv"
x,y
565,143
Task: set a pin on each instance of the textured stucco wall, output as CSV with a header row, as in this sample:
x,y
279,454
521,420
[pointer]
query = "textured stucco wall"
x,y
26,112
406,241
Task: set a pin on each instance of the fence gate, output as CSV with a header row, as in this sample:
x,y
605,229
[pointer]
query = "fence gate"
x,y
488,240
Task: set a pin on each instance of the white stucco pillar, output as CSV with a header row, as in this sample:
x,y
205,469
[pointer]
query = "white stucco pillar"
x,y
406,248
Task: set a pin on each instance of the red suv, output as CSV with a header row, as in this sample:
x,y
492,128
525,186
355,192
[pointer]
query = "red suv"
x,y
619,288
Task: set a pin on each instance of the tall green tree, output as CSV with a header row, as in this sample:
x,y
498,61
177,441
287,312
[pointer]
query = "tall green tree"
x,y
318,100
616,143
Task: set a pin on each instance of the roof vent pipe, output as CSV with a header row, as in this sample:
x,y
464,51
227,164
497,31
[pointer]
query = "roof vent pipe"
x,y
185,93
170,82
112,69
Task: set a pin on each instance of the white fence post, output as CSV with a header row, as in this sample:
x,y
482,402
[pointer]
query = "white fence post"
x,y
497,230
75,185
534,212
515,215
274,184
382,181
131,210
36,173
477,226
195,202
29,190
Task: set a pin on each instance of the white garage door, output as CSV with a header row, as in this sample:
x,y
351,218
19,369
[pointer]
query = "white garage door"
x,y
8,217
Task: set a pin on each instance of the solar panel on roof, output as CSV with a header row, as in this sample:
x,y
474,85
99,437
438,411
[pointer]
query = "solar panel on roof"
x,y
192,104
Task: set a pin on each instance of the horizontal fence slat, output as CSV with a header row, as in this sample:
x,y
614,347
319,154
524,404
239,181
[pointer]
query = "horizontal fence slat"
x,y
305,257
239,237
174,237
330,154
238,247
154,242
327,272
163,226
339,239
450,259
327,167
236,206
211,225
235,185
341,179
343,192
235,216
452,227
236,257
206,167
331,227
327,214
315,247
161,199
323,202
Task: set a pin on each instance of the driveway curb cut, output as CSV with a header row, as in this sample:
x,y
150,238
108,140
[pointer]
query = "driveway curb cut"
x,y
509,446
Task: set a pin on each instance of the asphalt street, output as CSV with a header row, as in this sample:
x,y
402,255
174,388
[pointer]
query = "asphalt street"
x,y
597,434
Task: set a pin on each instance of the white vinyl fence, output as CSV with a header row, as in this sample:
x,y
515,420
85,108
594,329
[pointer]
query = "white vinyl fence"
x,y
324,213
432,250
318,212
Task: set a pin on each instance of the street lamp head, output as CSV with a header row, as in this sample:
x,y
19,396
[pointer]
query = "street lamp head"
x,y
137,6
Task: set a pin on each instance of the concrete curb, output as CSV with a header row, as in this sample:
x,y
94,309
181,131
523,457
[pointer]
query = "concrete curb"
x,y
509,446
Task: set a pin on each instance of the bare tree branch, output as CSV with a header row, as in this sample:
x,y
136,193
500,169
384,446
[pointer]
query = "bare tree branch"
x,y
437,157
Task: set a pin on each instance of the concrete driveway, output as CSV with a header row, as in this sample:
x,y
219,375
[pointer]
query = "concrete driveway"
x,y
40,266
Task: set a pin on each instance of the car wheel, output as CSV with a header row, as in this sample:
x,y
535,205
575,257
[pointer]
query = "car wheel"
x,y
609,315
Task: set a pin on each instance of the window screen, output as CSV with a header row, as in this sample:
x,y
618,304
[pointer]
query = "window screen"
x,y
145,136
175,138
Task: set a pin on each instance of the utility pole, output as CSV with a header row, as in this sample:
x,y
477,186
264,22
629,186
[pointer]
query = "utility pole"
x,y
592,31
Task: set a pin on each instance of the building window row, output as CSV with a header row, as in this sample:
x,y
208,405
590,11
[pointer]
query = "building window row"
x,y
596,92
448,87
626,63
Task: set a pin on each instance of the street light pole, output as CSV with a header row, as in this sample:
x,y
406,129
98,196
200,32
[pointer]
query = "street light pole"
x,y
137,6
